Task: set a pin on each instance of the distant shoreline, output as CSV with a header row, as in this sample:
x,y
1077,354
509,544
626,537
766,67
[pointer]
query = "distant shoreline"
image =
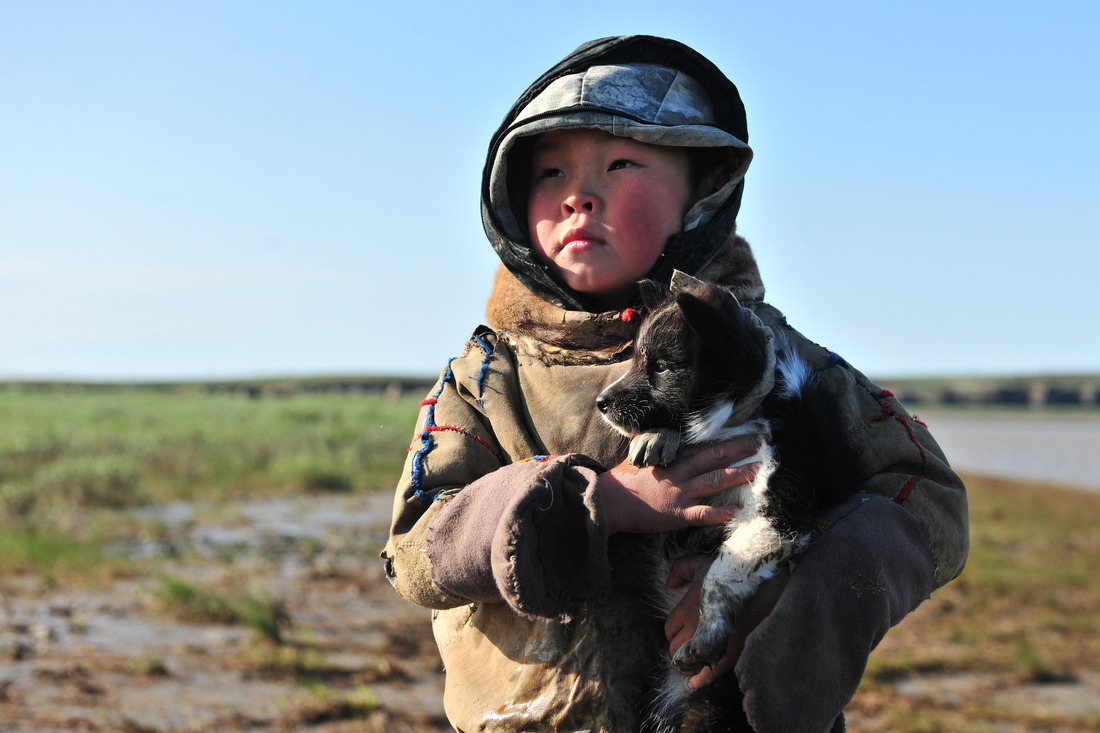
x,y
1035,392
1050,446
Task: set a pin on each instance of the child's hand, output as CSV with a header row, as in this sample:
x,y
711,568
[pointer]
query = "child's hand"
x,y
684,619
663,498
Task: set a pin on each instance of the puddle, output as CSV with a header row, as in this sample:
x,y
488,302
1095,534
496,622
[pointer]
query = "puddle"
x,y
1079,699
272,528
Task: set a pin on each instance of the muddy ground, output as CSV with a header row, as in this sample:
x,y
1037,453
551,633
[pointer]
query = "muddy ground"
x,y
353,656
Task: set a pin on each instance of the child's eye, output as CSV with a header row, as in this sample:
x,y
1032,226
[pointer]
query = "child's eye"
x,y
620,164
550,173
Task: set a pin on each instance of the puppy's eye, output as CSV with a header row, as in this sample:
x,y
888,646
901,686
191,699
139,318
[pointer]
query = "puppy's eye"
x,y
662,366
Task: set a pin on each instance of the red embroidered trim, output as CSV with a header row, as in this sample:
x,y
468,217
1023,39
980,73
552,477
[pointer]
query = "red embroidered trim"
x,y
888,413
907,489
460,431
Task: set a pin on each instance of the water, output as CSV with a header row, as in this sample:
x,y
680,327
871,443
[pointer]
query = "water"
x,y
1058,449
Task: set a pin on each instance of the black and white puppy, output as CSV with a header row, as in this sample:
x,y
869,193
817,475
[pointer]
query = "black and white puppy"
x,y
706,369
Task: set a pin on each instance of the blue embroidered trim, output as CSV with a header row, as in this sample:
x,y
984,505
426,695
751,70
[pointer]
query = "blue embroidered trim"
x,y
426,441
483,373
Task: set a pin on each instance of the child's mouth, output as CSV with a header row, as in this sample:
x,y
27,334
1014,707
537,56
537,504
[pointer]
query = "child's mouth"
x,y
580,239
579,245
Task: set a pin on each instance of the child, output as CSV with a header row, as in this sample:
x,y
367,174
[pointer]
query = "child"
x,y
626,161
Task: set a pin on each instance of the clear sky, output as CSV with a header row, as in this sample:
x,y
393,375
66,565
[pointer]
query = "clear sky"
x,y
240,188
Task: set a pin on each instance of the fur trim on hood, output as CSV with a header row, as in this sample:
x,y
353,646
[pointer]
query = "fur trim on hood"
x,y
559,335
654,90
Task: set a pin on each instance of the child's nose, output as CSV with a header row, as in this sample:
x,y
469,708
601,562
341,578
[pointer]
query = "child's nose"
x,y
579,201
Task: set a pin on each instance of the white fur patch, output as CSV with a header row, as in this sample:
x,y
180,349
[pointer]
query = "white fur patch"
x,y
703,426
793,369
606,419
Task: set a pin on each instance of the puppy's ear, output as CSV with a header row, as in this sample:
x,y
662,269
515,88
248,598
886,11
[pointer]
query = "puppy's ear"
x,y
703,313
652,293
725,326
682,281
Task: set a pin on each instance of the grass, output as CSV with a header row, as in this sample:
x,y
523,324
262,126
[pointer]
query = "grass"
x,y
56,557
324,704
71,459
185,600
1022,612
119,448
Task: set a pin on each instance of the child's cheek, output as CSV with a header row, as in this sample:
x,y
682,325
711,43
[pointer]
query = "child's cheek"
x,y
539,232
537,226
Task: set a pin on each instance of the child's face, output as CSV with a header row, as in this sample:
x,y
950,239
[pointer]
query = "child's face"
x,y
602,207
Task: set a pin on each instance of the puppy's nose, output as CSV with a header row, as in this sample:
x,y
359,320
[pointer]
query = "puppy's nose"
x,y
603,402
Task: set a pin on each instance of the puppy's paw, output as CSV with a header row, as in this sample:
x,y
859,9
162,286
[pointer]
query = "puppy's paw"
x,y
705,649
658,448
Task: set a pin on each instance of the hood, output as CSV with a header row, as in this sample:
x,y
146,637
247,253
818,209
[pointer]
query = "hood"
x,y
654,90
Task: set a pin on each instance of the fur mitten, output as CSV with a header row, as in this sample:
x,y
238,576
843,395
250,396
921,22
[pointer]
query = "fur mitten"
x,y
801,666
528,534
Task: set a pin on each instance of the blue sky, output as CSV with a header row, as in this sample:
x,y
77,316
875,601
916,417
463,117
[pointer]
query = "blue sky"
x,y
245,188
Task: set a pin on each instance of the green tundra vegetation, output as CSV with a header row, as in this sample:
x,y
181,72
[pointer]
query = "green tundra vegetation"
x,y
72,459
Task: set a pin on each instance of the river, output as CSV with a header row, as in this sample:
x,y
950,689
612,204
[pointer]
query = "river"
x,y
1059,449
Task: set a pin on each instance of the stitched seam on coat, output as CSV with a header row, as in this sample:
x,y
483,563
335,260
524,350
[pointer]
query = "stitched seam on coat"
x,y
889,413
483,373
426,441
